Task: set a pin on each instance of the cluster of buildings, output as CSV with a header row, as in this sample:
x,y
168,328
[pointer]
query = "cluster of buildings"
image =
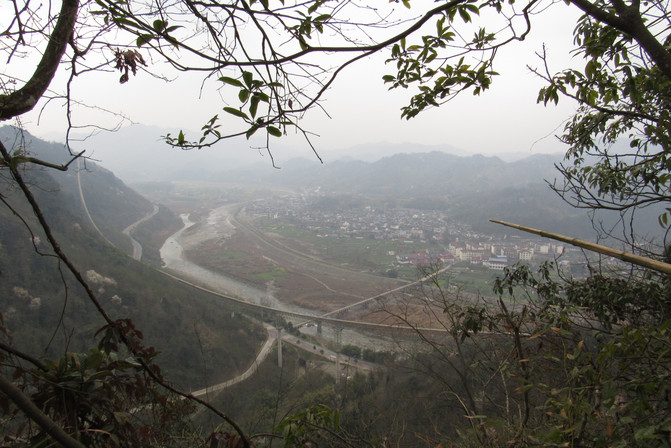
x,y
495,255
445,240
366,222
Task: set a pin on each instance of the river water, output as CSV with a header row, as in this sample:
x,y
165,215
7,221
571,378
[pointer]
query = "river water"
x,y
218,225
172,255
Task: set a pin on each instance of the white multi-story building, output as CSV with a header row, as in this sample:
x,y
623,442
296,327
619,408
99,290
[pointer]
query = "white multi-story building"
x,y
526,254
497,263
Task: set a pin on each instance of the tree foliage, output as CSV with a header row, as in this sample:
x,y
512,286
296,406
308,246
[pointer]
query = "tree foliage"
x,y
274,61
554,362
101,398
618,140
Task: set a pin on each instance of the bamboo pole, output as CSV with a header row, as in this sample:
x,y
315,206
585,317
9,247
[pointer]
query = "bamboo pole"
x,y
639,260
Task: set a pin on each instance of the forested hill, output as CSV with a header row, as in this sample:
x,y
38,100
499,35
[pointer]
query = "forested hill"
x,y
111,204
472,188
44,316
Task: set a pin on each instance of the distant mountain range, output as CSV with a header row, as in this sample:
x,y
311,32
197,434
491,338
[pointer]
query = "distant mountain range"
x,y
41,313
137,153
434,174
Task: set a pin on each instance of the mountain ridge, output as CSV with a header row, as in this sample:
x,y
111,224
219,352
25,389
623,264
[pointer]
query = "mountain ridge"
x,y
138,153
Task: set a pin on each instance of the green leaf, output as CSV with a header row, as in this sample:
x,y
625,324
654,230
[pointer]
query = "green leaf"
x,y
262,96
314,6
336,420
159,25
254,104
591,69
272,130
248,77
472,8
100,375
439,25
465,16
94,360
122,21
251,131
143,39
243,95
231,81
645,433
236,112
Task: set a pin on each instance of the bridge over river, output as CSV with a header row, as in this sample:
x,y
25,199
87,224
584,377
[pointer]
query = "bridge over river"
x,y
331,318
222,221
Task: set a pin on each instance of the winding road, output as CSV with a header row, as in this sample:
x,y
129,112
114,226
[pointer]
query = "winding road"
x,y
260,357
137,247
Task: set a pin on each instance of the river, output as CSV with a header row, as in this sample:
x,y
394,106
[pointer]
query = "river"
x,y
172,255
218,225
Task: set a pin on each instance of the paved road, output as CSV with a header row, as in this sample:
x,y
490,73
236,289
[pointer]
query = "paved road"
x,y
263,353
265,350
137,248
86,208
328,354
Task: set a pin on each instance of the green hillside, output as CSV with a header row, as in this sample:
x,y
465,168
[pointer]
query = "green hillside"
x,y
201,339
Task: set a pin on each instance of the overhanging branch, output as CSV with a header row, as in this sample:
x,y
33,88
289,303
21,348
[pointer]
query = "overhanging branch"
x,y
649,263
24,99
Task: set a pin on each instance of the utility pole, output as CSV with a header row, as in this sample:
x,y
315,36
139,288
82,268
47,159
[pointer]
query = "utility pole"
x,y
337,335
279,342
279,348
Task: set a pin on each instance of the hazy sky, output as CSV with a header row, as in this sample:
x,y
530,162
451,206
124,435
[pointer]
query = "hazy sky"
x,y
504,119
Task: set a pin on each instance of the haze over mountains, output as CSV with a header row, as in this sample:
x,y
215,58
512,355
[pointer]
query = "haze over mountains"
x,y
473,188
137,153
